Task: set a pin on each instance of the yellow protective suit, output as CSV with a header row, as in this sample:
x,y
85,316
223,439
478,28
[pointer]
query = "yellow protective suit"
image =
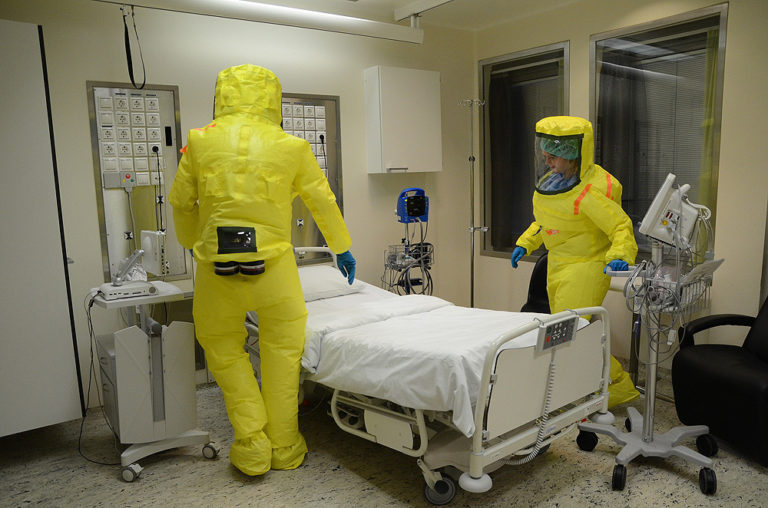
x,y
583,228
231,201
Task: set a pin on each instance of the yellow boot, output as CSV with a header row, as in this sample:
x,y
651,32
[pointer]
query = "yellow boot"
x,y
621,389
251,456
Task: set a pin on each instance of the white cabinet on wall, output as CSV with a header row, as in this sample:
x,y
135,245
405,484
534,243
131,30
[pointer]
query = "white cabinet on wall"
x,y
402,120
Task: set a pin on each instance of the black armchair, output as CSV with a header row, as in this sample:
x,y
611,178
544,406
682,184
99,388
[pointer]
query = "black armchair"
x,y
726,387
538,298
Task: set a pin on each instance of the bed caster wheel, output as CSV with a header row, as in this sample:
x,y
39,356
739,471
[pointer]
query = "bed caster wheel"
x,y
475,485
443,493
131,472
210,451
619,479
707,445
707,481
586,440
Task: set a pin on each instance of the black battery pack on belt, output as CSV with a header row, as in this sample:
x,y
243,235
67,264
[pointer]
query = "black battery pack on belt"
x,y
236,239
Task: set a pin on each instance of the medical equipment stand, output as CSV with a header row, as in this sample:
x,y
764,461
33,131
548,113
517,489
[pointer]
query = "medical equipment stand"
x,y
640,439
148,376
471,103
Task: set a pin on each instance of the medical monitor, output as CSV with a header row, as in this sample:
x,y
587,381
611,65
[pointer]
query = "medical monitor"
x,y
670,218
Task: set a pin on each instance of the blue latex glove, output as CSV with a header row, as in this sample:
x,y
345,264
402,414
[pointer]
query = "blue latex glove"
x,y
346,264
517,255
617,265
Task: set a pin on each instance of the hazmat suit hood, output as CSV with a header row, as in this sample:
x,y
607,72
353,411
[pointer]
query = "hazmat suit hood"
x,y
250,90
570,140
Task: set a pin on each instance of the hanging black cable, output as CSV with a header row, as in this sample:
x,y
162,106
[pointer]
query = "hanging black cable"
x,y
128,57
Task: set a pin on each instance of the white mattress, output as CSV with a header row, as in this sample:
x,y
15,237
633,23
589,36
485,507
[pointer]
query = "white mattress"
x,y
417,351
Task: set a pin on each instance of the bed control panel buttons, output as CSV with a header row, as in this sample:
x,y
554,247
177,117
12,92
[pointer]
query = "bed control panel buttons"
x,y
556,333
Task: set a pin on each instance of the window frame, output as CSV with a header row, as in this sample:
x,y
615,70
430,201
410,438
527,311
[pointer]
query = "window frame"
x,y
720,11
486,249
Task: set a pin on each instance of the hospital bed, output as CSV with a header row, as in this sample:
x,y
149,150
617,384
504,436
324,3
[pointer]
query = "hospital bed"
x,y
464,391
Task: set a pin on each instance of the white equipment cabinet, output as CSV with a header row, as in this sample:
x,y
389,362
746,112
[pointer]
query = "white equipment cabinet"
x,y
402,120
39,377
148,382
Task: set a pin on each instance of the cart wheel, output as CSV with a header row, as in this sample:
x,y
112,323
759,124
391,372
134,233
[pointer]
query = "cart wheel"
x,y
619,479
628,425
706,445
586,440
707,481
443,493
210,451
131,472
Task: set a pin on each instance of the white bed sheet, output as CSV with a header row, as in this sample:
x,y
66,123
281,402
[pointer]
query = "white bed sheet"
x,y
417,351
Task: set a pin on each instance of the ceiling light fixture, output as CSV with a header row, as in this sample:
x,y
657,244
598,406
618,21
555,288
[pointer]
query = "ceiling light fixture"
x,y
279,15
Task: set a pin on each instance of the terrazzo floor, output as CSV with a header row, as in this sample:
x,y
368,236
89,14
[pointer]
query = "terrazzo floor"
x,y
43,467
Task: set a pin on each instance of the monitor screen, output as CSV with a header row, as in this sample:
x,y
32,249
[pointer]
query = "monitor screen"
x,y
670,218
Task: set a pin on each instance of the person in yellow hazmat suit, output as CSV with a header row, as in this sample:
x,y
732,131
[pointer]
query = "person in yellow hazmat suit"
x,y
232,205
578,217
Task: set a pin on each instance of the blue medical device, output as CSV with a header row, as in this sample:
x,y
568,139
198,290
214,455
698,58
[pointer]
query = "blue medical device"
x,y
412,206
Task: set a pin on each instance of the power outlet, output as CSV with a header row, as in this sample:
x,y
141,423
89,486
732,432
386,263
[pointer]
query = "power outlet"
x,y
154,134
140,149
108,148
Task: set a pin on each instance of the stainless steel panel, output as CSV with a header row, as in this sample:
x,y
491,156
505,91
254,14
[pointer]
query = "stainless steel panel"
x,y
111,131
305,232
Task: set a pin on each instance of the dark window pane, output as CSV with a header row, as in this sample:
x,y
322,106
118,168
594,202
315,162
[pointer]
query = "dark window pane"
x,y
518,92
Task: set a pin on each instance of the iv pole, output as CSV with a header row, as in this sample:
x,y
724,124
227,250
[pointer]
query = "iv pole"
x,y
471,103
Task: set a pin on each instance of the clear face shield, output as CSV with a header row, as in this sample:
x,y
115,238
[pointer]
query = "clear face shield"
x,y
558,161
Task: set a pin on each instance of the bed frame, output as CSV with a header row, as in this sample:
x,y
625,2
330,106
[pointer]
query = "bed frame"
x,y
502,430
505,433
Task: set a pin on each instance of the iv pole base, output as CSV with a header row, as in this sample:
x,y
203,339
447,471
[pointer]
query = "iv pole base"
x,y
661,445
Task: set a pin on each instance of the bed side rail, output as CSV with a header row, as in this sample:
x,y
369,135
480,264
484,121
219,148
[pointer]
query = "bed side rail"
x,y
481,432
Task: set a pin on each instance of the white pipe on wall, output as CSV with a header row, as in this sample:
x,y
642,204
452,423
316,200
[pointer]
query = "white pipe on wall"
x,y
279,15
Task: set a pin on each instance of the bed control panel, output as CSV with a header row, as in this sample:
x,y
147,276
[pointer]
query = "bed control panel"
x,y
553,334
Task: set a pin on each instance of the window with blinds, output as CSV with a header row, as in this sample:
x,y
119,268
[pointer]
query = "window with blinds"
x,y
657,108
518,90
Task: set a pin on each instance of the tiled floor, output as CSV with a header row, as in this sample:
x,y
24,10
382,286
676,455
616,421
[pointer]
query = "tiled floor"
x,y
43,467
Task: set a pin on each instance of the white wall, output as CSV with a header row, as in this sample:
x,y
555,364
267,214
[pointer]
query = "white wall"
x,y
84,41
742,195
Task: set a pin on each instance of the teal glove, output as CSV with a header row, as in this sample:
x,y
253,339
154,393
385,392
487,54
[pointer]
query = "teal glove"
x,y
617,265
346,264
517,255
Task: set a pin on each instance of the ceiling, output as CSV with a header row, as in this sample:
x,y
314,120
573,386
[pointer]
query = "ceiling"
x,y
461,14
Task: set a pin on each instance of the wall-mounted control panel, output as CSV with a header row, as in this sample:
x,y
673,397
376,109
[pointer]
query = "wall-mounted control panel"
x,y
136,133
135,139
306,119
316,119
